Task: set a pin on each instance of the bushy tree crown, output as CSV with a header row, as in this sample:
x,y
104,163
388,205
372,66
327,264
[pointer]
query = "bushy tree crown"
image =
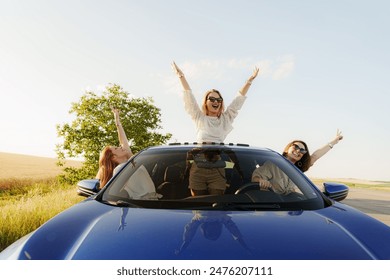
x,y
94,128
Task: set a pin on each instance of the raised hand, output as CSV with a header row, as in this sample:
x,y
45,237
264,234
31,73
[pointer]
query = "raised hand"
x,y
254,74
338,135
177,70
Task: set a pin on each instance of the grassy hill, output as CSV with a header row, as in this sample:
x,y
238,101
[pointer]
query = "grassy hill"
x,y
29,167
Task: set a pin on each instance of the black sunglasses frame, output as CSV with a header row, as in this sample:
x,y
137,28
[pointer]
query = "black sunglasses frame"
x,y
213,99
297,148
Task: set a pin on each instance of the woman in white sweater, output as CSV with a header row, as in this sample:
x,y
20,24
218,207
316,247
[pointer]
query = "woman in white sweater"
x,y
213,123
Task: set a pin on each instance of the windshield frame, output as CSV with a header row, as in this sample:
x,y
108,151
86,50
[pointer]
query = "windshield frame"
x,y
153,156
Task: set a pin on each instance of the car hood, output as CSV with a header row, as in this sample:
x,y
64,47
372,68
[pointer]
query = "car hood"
x,y
92,230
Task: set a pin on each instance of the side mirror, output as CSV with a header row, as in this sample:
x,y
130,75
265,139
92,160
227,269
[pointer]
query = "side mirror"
x,y
88,187
336,191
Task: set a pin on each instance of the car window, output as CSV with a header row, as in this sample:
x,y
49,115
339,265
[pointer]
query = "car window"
x,y
164,175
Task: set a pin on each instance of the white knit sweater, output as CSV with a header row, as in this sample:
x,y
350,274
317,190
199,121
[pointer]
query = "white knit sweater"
x,y
212,129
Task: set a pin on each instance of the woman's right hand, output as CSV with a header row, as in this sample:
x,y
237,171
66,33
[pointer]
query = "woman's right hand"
x,y
181,77
177,70
264,184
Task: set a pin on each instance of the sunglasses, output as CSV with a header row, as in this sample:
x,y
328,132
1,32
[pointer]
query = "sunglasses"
x,y
297,148
213,99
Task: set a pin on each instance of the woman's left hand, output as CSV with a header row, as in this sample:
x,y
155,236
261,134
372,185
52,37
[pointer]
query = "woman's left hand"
x,y
115,110
116,115
254,74
338,137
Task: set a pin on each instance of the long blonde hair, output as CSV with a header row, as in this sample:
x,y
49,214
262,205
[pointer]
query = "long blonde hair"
x,y
204,106
106,166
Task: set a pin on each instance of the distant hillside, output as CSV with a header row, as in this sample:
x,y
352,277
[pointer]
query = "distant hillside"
x,y
382,185
25,166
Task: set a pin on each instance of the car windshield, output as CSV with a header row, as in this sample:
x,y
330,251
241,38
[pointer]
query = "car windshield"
x,y
160,178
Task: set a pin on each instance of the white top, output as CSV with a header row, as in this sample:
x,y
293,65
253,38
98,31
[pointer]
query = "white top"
x,y
280,182
141,186
212,129
118,167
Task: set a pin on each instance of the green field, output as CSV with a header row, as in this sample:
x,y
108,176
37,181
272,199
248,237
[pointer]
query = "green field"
x,y
27,204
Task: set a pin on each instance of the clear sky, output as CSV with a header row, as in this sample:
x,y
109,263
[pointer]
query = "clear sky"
x,y
325,66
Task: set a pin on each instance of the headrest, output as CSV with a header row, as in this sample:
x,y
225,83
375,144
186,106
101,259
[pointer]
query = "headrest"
x,y
173,174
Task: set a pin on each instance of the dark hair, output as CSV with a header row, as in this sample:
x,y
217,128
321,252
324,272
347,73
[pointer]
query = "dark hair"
x,y
304,163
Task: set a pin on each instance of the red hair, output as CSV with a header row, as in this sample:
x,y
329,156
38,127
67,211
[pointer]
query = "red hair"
x,y
106,166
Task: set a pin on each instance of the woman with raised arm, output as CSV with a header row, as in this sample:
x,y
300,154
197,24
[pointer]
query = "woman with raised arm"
x,y
270,177
112,157
298,153
213,123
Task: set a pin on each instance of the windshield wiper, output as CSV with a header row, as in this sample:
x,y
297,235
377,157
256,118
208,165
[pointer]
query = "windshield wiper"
x,y
122,203
244,206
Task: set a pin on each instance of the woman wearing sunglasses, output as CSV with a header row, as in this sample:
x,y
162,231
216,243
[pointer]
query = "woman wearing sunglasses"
x,y
298,153
213,122
270,177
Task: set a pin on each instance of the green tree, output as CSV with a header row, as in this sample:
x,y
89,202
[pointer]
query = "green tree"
x,y
94,128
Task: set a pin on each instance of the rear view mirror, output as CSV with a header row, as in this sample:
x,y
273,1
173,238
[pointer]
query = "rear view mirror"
x,y
336,191
88,187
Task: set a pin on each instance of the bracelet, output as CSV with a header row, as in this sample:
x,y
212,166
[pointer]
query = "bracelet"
x,y
330,145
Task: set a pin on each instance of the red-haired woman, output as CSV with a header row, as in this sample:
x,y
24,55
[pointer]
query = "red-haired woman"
x,y
112,157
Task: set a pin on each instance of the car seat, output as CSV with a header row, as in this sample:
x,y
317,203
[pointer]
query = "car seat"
x,y
174,185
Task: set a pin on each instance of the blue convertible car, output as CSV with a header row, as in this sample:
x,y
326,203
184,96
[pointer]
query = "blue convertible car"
x,y
147,212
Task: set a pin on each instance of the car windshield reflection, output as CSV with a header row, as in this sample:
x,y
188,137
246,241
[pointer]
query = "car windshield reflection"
x,y
172,178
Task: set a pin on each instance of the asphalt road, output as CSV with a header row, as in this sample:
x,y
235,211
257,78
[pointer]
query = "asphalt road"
x,y
374,203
